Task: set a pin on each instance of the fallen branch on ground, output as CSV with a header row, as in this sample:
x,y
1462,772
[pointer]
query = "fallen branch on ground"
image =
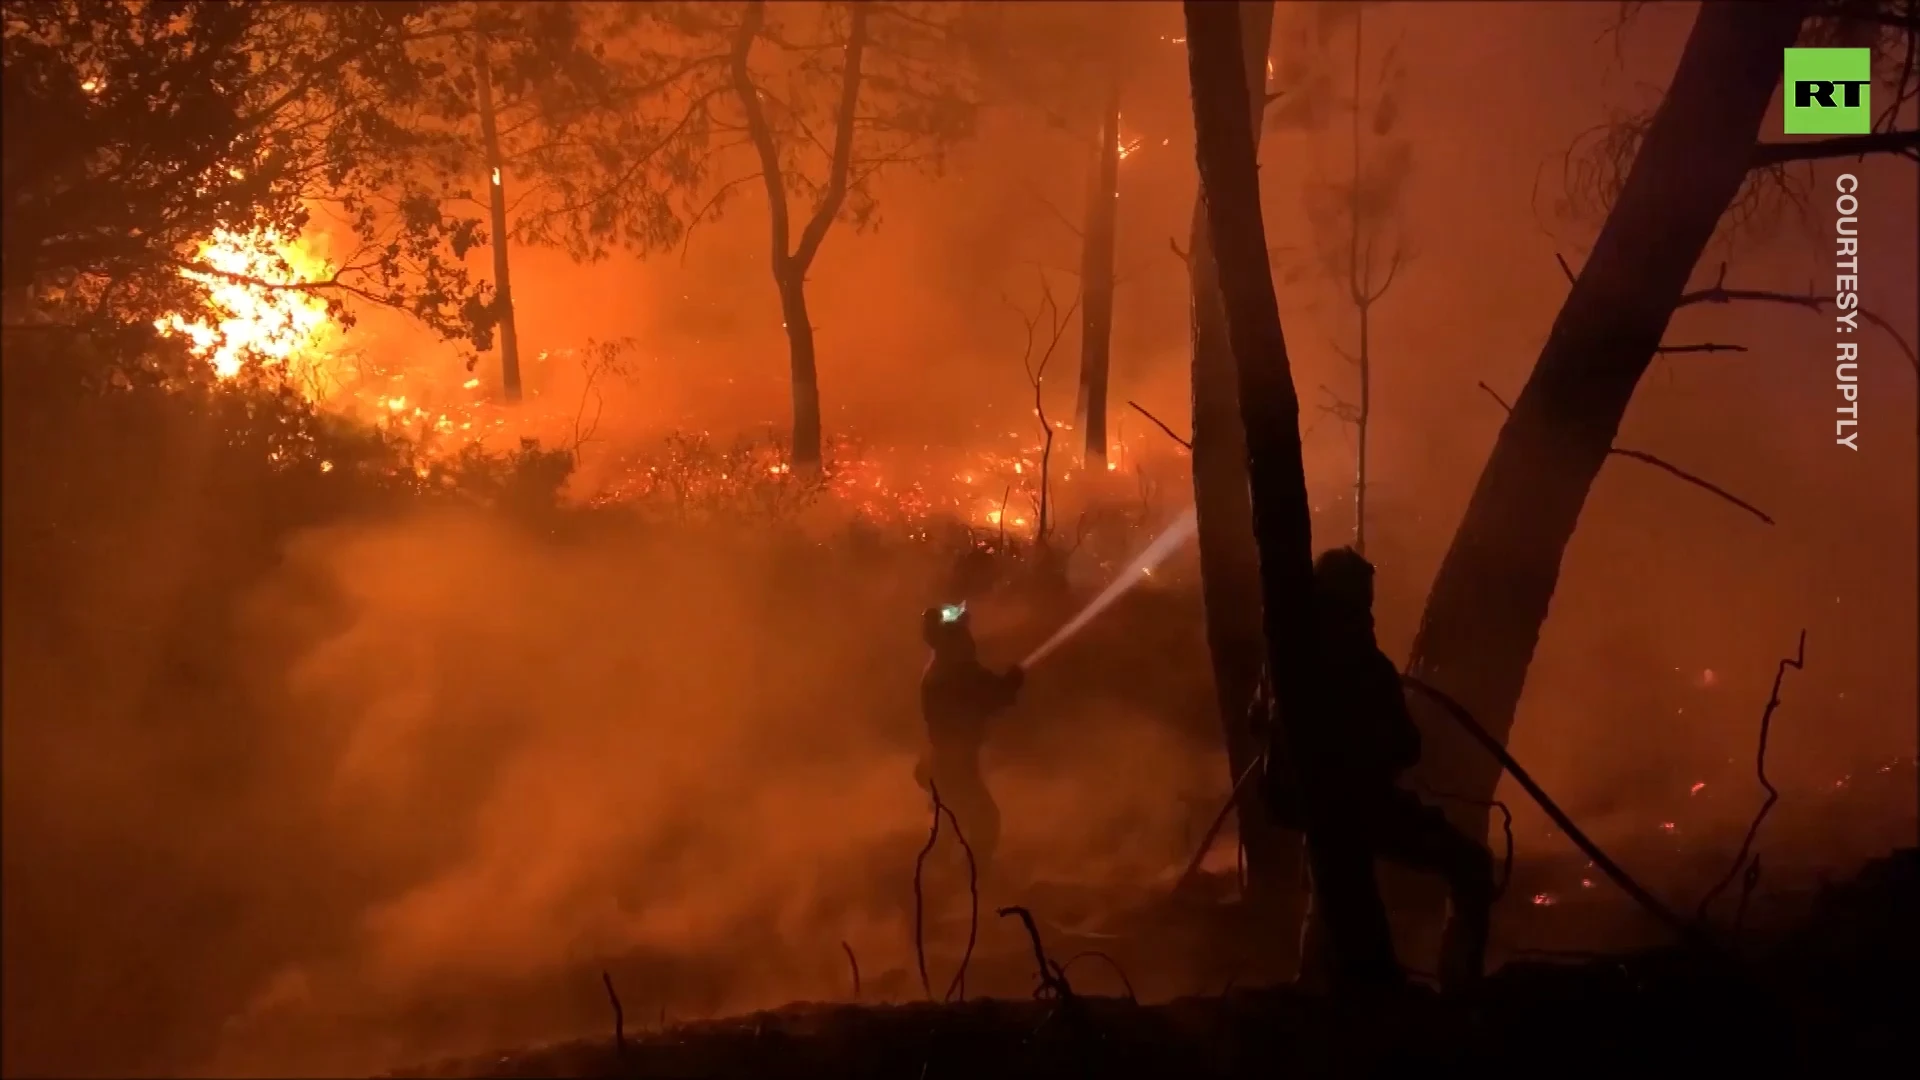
x,y
1662,463
1798,661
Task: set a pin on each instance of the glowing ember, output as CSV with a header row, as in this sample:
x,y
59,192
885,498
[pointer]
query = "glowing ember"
x,y
1544,899
1695,789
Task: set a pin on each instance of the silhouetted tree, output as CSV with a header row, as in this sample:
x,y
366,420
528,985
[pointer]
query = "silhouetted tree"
x,y
1068,64
1099,233
1224,119
503,101
1229,561
1689,161
819,98
1356,214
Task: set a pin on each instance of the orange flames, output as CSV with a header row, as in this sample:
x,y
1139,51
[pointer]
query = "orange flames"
x,y
256,308
261,314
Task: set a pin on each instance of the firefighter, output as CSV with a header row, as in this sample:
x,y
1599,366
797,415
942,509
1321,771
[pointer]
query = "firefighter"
x,y
1371,740
958,696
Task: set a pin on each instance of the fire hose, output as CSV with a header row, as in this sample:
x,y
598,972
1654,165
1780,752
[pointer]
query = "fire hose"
x,y
1687,931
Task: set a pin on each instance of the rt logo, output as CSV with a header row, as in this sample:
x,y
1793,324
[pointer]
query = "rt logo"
x,y
1827,92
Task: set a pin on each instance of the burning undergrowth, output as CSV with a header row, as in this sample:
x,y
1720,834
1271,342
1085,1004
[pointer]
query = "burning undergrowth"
x,y
381,733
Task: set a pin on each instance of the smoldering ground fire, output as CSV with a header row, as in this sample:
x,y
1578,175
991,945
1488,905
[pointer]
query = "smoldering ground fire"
x,y
359,715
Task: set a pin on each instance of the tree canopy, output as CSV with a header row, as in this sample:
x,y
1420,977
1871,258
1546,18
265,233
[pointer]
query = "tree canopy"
x,y
138,133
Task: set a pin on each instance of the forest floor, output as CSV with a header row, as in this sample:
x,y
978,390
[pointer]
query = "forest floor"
x,y
1832,991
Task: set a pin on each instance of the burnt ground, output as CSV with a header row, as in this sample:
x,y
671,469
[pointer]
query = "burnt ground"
x,y
1832,992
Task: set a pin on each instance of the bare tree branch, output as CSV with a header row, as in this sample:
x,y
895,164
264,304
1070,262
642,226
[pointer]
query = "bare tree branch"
x,y
1798,662
1642,455
1709,346
713,201
1057,324
1058,214
1157,422
1766,154
1660,463
1720,294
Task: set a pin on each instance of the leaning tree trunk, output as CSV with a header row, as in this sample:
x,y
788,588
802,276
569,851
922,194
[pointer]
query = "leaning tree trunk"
x,y
1490,598
497,206
1096,284
1229,562
1344,888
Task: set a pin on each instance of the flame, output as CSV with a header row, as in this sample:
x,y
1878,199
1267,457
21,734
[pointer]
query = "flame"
x,y
248,317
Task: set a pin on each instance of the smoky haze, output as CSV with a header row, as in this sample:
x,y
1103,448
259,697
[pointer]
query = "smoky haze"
x,y
288,791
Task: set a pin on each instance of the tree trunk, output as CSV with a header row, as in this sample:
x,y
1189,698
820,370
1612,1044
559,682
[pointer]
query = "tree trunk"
x,y
790,266
1229,562
497,207
1344,887
1096,284
1491,596
792,284
1363,412
1360,288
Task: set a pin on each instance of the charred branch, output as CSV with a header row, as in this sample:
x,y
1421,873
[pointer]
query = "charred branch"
x,y
1095,954
1798,662
957,989
1703,347
619,1015
853,965
919,901
1053,978
1720,294
1057,323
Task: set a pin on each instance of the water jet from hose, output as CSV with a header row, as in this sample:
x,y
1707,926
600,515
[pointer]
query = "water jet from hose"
x,y
1177,533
